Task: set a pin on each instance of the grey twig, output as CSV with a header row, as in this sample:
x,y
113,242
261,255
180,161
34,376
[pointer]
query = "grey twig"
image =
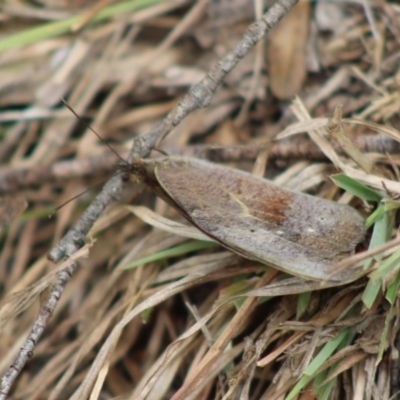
x,y
199,96
296,148
14,179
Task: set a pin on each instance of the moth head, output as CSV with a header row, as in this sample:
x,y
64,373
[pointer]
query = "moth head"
x,y
135,170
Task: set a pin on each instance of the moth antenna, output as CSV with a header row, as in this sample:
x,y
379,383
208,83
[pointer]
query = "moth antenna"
x,y
54,210
89,127
125,163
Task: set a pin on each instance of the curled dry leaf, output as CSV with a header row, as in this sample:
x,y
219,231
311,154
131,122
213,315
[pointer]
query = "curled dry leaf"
x,y
286,52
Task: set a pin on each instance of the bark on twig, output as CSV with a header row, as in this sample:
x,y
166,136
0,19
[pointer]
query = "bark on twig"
x,y
296,148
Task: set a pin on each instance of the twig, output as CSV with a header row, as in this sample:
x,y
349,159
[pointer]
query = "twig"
x,y
296,148
199,96
14,179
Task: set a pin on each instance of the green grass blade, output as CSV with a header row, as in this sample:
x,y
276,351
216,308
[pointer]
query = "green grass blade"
x,y
391,296
52,29
391,293
356,188
175,251
387,266
319,360
381,233
302,303
371,292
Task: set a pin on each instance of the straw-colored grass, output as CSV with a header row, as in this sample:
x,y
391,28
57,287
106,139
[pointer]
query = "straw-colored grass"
x,y
155,309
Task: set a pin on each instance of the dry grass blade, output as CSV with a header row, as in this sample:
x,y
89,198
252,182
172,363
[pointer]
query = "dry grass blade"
x,y
153,312
19,301
159,222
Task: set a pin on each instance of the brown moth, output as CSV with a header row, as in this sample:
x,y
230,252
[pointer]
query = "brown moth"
x,y
293,232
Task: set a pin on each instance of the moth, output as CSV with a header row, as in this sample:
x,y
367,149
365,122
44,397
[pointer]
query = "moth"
x,y
297,233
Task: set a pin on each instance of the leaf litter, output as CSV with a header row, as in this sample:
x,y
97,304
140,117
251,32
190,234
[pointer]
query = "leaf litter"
x,y
203,323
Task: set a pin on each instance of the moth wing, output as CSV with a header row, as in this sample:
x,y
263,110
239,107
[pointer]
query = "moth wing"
x,y
251,217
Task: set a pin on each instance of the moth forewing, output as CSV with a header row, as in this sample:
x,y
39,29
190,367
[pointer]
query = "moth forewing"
x,y
294,232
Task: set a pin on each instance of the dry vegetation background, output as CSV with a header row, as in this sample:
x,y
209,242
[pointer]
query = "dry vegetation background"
x,y
171,327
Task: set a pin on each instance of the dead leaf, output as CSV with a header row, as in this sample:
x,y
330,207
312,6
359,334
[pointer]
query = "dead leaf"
x,y
286,52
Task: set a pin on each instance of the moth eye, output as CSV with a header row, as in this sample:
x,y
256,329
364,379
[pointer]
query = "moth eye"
x,y
252,230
